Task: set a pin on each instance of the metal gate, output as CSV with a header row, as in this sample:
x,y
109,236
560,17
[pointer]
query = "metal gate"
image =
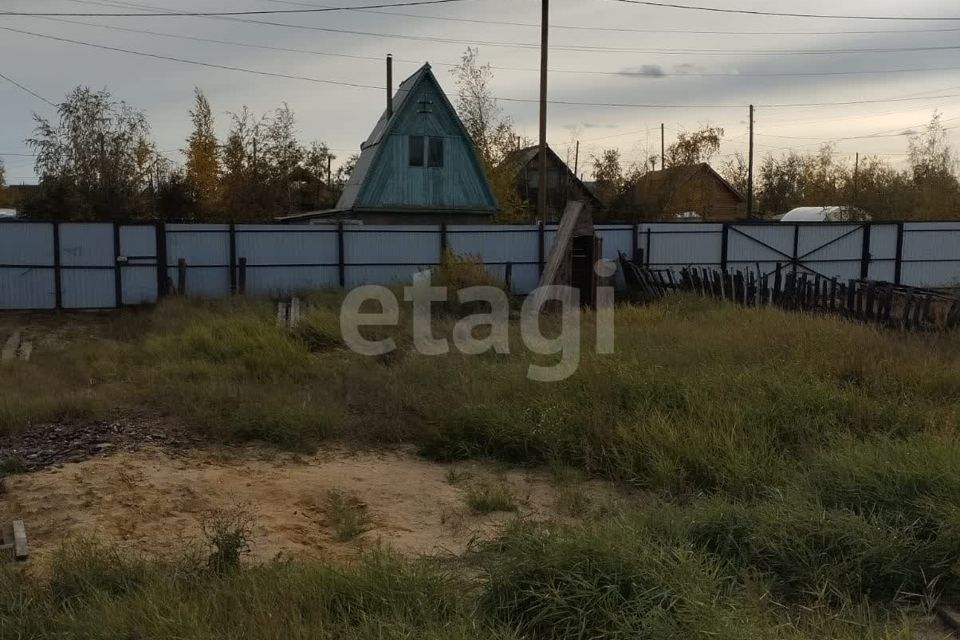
x,y
839,251
138,264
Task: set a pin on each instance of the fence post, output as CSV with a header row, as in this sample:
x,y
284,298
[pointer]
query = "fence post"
x,y
242,276
160,229
443,239
796,247
540,246
508,276
117,267
57,279
898,265
865,255
233,259
341,266
635,244
724,236
181,276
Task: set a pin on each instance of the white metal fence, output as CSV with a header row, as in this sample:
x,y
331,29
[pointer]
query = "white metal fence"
x,y
51,265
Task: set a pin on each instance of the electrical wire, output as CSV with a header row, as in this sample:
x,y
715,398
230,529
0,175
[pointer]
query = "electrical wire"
x,y
27,90
202,14
778,14
626,73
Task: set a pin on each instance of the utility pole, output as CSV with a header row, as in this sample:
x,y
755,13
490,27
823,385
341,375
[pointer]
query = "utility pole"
x,y
663,146
750,170
542,171
856,179
576,159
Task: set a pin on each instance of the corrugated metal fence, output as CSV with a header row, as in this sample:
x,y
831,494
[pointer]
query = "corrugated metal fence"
x,y
51,265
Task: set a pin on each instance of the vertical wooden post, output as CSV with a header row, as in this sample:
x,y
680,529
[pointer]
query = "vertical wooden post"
x,y
341,265
540,246
242,277
443,239
57,275
898,265
233,258
724,236
635,244
796,247
181,276
542,171
663,146
163,279
750,170
865,254
117,267
508,277
576,159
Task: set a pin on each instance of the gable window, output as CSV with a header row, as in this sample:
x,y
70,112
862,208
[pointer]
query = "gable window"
x,y
416,151
435,157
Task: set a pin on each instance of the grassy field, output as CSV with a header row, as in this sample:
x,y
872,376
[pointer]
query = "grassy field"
x,y
802,474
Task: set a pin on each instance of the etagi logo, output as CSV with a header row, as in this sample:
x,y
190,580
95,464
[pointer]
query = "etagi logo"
x,y
497,322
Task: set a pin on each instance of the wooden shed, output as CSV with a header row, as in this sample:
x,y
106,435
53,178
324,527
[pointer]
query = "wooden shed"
x,y
562,184
418,166
682,191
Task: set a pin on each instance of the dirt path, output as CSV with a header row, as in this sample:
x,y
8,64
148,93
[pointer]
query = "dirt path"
x,y
154,500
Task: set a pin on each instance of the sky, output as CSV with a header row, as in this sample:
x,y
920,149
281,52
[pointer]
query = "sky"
x,y
687,68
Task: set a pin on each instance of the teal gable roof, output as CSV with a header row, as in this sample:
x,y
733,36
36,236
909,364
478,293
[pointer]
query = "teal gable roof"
x,y
384,180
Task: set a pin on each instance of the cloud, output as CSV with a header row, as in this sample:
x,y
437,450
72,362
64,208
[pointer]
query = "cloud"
x,y
598,125
909,132
644,71
685,68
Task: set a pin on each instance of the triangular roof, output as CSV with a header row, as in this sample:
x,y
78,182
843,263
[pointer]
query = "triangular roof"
x,y
370,149
681,174
520,158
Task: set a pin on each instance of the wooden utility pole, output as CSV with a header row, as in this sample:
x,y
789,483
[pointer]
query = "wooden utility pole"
x,y
542,171
856,179
750,170
663,146
576,159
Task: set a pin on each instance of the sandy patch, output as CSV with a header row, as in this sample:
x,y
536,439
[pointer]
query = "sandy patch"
x,y
155,500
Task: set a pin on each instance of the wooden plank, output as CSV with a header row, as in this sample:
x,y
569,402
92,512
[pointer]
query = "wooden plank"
x,y
560,250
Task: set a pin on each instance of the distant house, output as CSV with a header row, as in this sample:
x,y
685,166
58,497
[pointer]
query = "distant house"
x,y
418,166
562,184
8,214
687,192
825,214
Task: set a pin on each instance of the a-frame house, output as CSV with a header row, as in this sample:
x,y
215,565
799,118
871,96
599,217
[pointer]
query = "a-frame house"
x,y
418,166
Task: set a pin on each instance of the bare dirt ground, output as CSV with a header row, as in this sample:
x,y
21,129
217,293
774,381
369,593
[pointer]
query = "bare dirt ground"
x,y
156,499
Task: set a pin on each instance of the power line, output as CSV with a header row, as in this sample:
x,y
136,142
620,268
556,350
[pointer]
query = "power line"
x,y
626,73
728,106
516,100
628,29
203,14
573,48
690,7
27,90
192,62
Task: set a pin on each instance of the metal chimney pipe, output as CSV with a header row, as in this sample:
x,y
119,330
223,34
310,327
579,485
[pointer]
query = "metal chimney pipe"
x,y
389,85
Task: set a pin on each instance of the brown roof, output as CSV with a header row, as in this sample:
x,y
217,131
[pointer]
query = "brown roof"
x,y
679,175
520,158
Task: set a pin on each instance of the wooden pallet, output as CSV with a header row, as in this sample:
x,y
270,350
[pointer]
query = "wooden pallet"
x,y
13,541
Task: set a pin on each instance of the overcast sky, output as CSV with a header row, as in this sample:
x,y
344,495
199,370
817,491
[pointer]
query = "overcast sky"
x,y
639,55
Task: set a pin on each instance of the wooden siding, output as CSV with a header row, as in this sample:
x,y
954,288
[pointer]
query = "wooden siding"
x,y
392,184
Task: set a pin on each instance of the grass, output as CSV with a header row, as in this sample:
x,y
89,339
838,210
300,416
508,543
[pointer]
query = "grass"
x,y
346,514
489,497
802,474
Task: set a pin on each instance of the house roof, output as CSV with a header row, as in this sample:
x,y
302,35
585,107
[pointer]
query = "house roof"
x,y
370,149
520,158
684,173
